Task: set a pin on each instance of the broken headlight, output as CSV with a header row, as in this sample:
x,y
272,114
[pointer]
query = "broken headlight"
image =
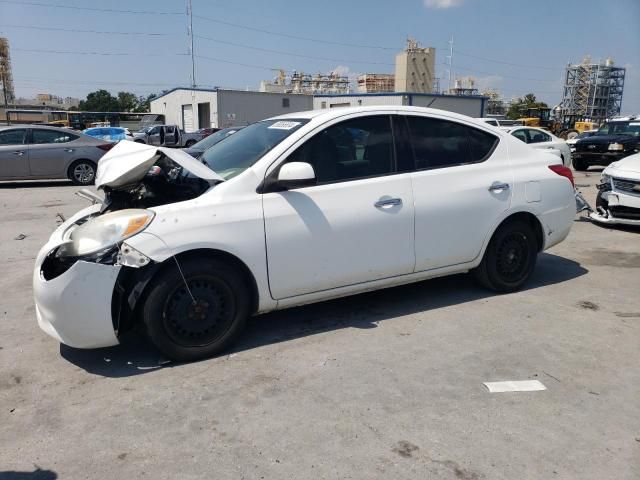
x,y
105,231
605,183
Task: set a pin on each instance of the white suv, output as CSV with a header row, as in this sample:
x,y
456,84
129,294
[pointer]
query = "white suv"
x,y
292,210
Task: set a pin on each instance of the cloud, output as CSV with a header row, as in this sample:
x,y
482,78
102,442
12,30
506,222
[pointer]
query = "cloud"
x,y
442,3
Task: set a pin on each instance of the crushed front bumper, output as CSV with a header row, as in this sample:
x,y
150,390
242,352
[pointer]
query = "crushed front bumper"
x,y
75,306
73,303
622,209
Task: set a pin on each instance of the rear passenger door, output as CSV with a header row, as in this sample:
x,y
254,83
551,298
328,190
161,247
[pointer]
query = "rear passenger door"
x,y
461,185
50,151
14,155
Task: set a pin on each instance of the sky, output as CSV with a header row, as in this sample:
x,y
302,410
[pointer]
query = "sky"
x,y
72,47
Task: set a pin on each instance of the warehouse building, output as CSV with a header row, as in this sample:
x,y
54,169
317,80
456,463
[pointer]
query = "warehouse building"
x,y
194,108
472,105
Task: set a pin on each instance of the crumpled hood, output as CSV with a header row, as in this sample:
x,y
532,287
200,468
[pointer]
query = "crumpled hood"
x,y
628,167
128,162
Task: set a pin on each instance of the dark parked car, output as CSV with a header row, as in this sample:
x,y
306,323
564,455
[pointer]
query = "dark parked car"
x,y
205,132
37,152
199,148
613,141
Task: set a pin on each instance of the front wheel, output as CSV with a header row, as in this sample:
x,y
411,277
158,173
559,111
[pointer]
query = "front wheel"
x,y
82,172
509,259
579,165
197,313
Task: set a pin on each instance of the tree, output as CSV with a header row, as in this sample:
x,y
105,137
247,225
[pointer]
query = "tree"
x,y
127,102
519,105
144,103
99,101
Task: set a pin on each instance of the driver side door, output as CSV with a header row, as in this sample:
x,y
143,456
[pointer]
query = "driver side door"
x,y
355,225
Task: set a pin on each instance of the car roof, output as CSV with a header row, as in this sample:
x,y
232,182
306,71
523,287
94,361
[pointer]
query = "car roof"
x,y
328,114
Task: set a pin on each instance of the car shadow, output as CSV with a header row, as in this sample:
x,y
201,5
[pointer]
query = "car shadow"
x,y
37,474
135,356
36,184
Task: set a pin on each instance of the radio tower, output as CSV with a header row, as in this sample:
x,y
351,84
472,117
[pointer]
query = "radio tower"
x,y
6,78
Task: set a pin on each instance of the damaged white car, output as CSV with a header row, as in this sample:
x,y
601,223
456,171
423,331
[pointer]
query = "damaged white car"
x,y
618,200
293,210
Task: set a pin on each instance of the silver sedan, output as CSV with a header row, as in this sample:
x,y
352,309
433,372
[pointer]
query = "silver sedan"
x,y
37,152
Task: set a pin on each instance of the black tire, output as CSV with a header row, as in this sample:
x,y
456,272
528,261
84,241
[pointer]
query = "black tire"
x,y
189,143
509,259
187,332
580,165
82,172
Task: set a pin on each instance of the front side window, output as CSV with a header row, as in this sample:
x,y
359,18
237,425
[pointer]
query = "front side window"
x,y
441,143
12,137
357,148
245,147
51,136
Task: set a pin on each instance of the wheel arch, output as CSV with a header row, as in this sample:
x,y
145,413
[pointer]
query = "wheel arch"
x,y
524,216
133,285
73,162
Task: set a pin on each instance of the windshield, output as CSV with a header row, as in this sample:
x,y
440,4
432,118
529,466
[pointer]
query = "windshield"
x,y
214,138
620,128
244,148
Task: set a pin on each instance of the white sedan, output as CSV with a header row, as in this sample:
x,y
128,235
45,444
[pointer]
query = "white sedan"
x,y
543,140
293,210
618,200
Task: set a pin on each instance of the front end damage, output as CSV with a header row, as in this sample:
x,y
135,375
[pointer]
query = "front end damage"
x,y
87,279
618,201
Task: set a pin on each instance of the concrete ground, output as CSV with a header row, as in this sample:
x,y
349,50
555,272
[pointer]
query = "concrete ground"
x,y
380,385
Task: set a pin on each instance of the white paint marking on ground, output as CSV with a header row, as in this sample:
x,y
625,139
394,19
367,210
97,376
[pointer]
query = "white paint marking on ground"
x,y
515,386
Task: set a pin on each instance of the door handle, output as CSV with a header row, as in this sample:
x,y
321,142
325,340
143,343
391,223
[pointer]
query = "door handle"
x,y
19,153
388,202
68,150
499,187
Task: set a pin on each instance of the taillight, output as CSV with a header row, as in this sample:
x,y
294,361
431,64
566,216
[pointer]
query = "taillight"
x,y
563,172
106,146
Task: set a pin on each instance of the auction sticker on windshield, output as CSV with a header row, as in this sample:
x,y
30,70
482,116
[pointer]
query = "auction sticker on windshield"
x,y
282,125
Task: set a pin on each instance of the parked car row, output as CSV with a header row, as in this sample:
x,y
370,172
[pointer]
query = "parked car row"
x,y
38,152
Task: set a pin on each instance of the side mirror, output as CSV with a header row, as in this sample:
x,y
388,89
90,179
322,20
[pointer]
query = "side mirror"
x,y
296,174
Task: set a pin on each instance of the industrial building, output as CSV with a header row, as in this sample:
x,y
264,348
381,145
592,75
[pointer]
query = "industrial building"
x,y
415,69
305,84
6,76
472,105
376,83
592,91
194,108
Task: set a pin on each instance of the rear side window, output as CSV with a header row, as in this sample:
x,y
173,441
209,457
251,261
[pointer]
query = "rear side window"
x,y
521,135
51,136
357,148
538,137
441,143
12,137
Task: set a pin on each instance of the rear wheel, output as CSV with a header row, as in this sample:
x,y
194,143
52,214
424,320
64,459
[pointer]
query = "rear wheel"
x,y
579,165
509,259
199,315
82,172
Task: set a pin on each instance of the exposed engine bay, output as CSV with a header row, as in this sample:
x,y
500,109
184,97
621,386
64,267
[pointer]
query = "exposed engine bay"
x,y
134,175
165,182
